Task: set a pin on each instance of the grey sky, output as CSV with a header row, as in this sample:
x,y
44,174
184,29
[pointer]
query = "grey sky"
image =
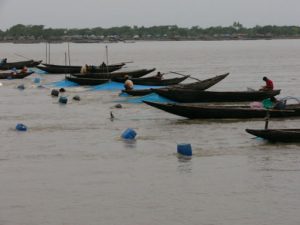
x,y
184,13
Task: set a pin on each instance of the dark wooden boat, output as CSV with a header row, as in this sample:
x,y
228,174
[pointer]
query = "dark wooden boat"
x,y
61,69
190,96
120,74
200,85
86,81
277,135
14,76
204,111
153,81
19,65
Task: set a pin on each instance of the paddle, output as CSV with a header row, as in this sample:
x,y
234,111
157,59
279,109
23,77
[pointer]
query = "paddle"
x,y
186,75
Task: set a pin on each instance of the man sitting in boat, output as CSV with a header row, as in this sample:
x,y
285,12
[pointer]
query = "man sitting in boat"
x,y
103,64
128,84
159,75
24,69
269,84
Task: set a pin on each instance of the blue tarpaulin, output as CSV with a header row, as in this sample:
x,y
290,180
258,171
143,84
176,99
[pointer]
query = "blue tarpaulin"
x,y
109,86
116,86
153,97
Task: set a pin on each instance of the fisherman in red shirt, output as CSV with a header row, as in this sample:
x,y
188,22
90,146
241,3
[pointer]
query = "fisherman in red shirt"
x,y
269,84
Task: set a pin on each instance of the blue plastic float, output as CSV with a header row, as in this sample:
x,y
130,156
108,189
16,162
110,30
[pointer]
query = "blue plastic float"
x,y
184,149
21,127
129,134
63,100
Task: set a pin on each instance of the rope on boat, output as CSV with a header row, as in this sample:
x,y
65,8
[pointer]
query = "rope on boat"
x,y
289,98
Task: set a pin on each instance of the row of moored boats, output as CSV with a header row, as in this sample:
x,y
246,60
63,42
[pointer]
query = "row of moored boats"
x,y
189,98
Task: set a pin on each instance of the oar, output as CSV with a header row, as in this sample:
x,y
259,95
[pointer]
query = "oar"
x,y
128,62
22,56
185,75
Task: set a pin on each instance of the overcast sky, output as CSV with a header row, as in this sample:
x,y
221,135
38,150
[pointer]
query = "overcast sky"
x,y
184,13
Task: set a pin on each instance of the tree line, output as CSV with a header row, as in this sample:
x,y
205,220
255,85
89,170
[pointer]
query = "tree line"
x,y
235,31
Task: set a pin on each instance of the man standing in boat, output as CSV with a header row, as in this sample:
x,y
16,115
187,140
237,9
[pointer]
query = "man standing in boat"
x,y
84,69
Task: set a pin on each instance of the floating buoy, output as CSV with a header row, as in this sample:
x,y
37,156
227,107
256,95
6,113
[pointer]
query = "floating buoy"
x,y
37,80
118,106
21,127
55,92
129,134
63,100
184,149
76,97
21,87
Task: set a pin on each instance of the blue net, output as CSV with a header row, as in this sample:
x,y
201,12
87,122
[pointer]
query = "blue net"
x,y
153,97
38,71
63,83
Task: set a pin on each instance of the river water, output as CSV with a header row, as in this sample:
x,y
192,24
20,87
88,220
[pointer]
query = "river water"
x,y
72,168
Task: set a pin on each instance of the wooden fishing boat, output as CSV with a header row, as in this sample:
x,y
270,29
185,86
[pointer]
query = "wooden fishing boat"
x,y
19,65
118,74
190,96
86,81
277,135
205,111
153,81
14,76
200,85
61,69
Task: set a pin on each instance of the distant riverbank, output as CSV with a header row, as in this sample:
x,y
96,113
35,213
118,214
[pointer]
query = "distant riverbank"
x,y
38,33
89,41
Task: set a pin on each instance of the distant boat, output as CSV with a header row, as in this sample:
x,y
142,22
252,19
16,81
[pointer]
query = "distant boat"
x,y
277,135
19,64
61,69
86,81
14,76
199,85
150,81
153,81
117,74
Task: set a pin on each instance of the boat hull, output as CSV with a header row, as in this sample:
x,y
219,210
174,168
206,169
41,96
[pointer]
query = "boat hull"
x,y
203,111
191,96
277,135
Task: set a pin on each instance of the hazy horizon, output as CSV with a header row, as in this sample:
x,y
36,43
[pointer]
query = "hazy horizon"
x,y
112,13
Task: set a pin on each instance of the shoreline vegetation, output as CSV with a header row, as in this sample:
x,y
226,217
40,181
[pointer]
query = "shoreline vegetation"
x,y
38,33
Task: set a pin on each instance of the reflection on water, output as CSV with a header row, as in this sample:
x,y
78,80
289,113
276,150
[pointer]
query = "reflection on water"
x,y
72,167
